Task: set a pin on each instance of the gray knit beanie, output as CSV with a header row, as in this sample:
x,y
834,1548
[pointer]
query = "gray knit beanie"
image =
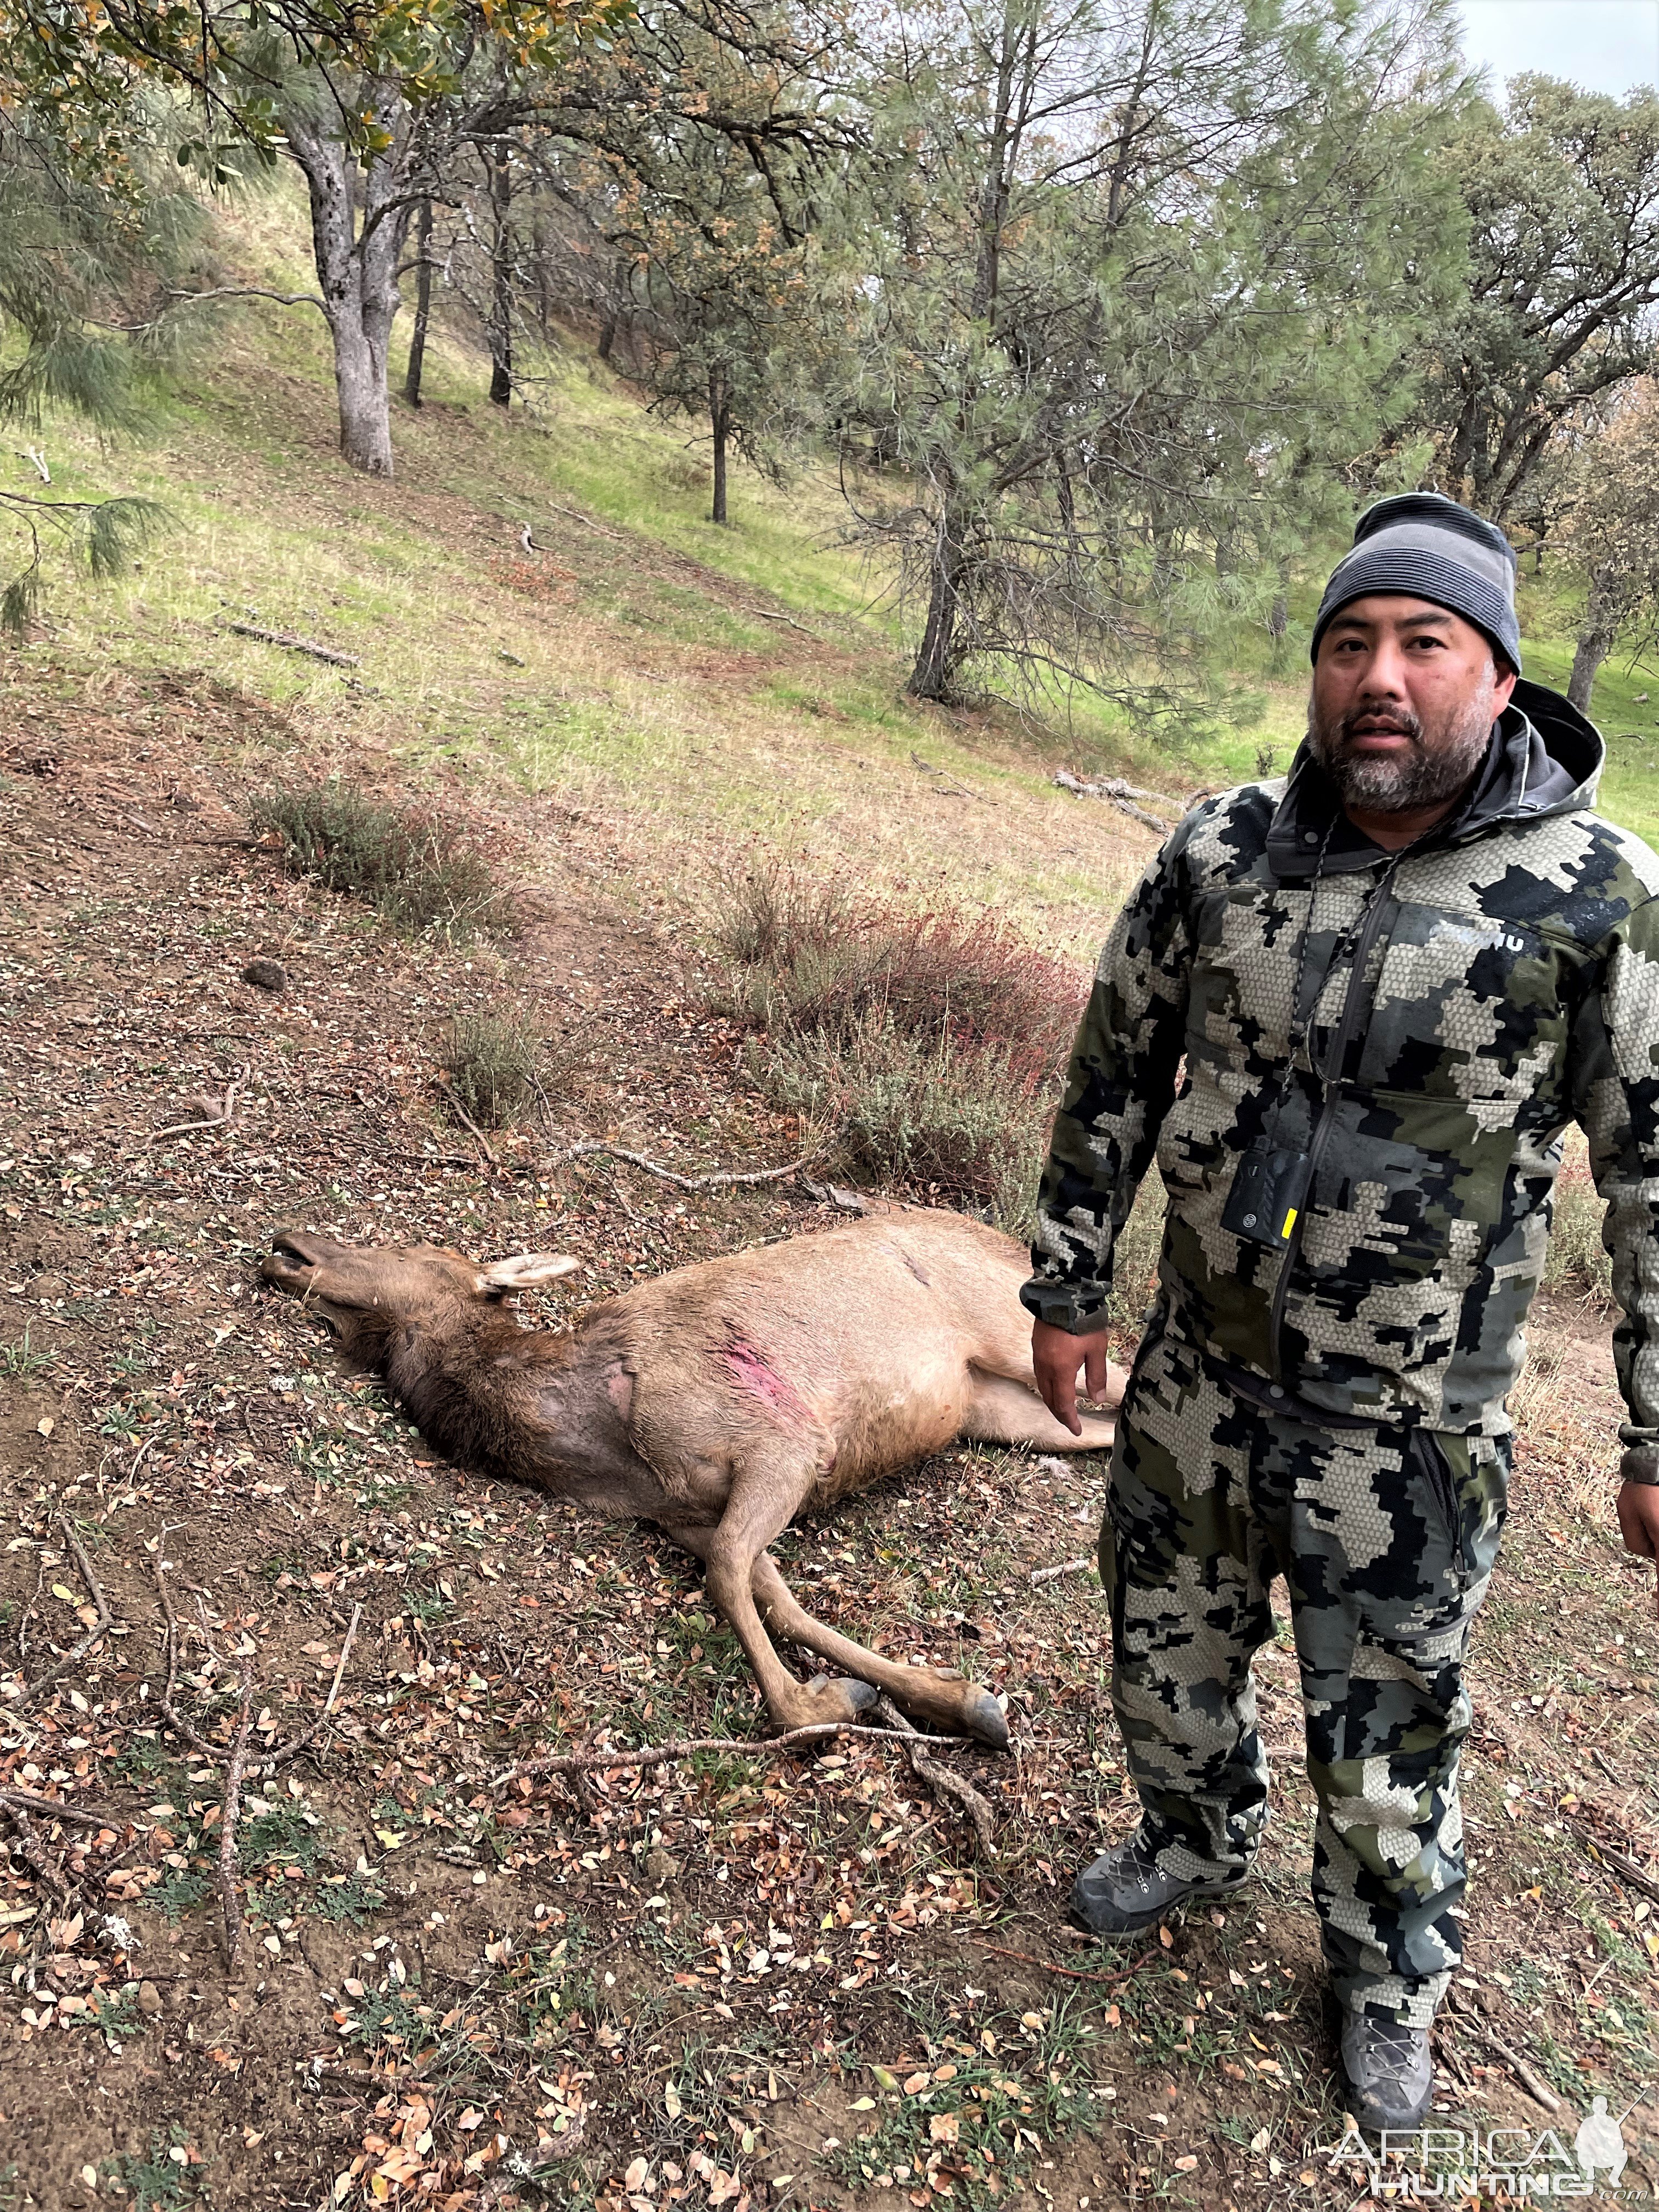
x,y
1424,546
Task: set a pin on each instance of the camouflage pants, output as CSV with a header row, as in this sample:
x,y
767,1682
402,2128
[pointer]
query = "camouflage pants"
x,y
1386,1540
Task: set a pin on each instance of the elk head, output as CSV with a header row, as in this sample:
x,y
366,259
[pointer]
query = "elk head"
x,y
366,1294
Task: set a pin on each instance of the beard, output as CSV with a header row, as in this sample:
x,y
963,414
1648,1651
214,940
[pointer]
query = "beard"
x,y
1442,759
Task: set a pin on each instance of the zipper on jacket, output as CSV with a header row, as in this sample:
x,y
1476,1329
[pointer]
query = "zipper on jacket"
x,y
1331,1086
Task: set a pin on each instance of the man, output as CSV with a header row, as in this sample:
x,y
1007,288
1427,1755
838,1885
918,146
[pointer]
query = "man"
x,y
1352,1013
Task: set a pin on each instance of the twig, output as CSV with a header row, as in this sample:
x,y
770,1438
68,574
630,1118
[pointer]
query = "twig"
x,y
189,1128
589,1146
287,639
467,1120
1071,1973
1065,1567
1534,2087
667,1754
302,1742
175,1719
79,1650
949,789
1617,1862
587,522
82,1816
939,1780
232,1813
50,1875
217,1754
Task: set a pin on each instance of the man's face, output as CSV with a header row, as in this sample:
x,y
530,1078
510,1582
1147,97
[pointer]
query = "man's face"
x,y
1404,697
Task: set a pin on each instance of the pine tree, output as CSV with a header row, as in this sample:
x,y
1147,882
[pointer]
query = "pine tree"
x,y
1136,282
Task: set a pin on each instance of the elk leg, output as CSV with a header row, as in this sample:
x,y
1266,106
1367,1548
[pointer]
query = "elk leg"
x,y
1003,1412
947,1701
763,1503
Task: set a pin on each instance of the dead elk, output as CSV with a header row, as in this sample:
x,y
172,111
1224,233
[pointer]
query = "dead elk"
x,y
719,1400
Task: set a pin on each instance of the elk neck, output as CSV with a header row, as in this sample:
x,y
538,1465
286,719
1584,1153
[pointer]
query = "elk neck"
x,y
539,1405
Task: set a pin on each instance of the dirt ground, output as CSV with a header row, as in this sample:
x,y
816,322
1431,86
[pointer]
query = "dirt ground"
x,y
734,1980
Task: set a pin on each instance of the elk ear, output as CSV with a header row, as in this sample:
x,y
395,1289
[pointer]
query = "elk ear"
x,y
524,1272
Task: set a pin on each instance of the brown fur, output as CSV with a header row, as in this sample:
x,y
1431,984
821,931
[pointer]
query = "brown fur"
x,y
719,1399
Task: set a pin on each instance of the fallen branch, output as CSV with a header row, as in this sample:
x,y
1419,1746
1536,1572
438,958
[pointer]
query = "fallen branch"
x,y
220,1120
1618,1863
197,1742
1071,1973
467,1121
229,1903
291,643
939,1780
79,1650
668,1755
587,522
80,1816
1065,1567
947,788
1121,795
590,1147
46,1873
1537,2089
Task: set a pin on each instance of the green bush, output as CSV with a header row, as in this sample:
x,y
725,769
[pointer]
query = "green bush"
x,y
420,874
494,1065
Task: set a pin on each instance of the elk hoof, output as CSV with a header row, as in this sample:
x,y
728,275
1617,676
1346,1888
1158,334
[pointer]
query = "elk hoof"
x,y
843,1699
981,1716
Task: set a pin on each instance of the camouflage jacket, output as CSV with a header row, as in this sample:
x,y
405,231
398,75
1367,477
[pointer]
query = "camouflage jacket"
x,y
1456,1006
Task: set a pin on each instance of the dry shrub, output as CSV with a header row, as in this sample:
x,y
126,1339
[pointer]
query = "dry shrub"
x,y
494,1064
924,1044
1578,1264
422,875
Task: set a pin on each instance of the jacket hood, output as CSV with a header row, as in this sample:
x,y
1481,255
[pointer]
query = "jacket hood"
x,y
1544,758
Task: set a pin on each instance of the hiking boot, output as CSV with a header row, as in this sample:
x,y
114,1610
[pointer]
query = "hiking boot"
x,y
1125,1890
1387,2069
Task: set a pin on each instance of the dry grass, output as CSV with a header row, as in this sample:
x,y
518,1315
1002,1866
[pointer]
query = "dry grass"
x,y
422,876
1578,1265
925,1042
495,1063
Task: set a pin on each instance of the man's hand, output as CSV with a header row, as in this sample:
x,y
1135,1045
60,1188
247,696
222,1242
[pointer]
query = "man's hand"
x,y
1057,1355
1638,1511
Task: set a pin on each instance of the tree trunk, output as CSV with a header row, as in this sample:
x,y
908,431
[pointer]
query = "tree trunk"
x,y
500,305
935,676
720,419
423,306
1596,641
357,246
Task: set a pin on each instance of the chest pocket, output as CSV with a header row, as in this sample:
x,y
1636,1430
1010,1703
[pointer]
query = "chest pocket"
x,y
1468,1009
1242,974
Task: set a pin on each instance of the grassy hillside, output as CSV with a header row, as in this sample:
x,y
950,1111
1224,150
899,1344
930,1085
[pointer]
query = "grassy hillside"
x,y
421,1974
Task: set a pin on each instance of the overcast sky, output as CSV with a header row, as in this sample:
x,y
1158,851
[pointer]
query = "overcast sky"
x,y
1605,45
